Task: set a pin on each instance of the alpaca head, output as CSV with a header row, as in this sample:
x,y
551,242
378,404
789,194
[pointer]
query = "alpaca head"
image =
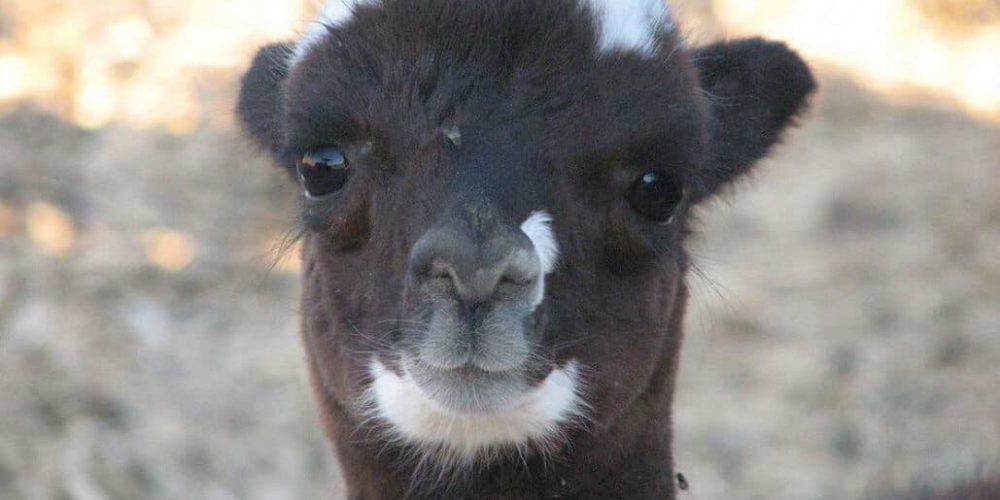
x,y
495,198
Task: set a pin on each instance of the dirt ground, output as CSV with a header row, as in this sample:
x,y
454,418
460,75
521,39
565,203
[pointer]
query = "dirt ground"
x,y
844,335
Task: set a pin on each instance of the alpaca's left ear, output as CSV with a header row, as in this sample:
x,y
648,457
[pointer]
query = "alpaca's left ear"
x,y
755,88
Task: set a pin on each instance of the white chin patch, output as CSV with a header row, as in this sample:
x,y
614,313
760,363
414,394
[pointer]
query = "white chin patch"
x,y
463,438
538,228
334,13
629,25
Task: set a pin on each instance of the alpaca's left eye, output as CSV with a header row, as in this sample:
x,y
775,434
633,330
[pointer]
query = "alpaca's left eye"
x,y
656,195
323,171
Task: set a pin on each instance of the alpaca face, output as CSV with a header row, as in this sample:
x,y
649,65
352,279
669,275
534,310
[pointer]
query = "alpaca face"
x,y
495,196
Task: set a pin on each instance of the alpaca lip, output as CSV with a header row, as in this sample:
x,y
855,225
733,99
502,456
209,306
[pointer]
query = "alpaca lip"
x,y
500,340
468,389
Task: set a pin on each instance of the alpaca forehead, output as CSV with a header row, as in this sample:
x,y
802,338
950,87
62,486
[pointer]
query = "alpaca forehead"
x,y
624,25
333,13
629,25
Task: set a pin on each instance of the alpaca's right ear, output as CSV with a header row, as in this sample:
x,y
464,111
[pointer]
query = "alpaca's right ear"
x,y
260,102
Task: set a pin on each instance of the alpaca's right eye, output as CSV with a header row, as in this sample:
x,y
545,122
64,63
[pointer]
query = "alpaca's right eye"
x,y
323,171
656,195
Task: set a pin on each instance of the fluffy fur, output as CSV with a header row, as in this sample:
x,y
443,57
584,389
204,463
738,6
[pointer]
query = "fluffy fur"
x,y
333,14
623,25
538,228
557,112
630,25
460,439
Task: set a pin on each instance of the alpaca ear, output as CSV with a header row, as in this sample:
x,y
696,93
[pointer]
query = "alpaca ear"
x,y
259,107
756,88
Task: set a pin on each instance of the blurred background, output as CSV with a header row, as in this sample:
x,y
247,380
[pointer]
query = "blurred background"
x,y
844,335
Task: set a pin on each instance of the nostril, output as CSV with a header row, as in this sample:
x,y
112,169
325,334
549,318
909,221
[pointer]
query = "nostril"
x,y
502,268
516,279
439,269
520,271
510,280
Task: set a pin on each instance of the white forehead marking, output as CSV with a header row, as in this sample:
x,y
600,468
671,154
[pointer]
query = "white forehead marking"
x,y
538,228
629,25
461,438
333,13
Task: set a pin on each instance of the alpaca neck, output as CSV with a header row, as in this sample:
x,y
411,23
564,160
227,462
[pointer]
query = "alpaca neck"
x,y
601,466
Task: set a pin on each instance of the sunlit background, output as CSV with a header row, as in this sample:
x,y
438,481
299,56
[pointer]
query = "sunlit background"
x,y
846,338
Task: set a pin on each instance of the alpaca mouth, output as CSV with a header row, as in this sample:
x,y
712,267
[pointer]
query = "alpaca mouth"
x,y
469,388
465,411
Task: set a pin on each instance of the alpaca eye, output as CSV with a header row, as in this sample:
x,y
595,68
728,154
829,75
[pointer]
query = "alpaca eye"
x,y
323,171
656,195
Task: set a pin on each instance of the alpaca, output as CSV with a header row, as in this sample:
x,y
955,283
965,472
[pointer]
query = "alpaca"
x,y
495,197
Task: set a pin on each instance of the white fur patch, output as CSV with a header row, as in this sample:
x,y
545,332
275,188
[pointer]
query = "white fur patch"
x,y
461,438
629,25
538,228
333,13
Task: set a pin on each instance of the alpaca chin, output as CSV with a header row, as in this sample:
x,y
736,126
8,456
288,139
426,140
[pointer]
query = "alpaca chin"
x,y
540,415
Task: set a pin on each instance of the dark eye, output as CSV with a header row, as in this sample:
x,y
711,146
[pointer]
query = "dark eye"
x,y
323,171
656,195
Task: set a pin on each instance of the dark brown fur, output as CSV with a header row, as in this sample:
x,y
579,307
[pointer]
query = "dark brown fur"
x,y
547,123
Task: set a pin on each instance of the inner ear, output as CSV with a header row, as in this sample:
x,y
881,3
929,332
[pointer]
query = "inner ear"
x,y
755,89
259,107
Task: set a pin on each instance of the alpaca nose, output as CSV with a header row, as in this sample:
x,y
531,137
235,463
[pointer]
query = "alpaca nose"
x,y
479,269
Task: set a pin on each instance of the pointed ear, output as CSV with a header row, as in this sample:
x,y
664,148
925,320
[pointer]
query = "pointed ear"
x,y
259,107
755,88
